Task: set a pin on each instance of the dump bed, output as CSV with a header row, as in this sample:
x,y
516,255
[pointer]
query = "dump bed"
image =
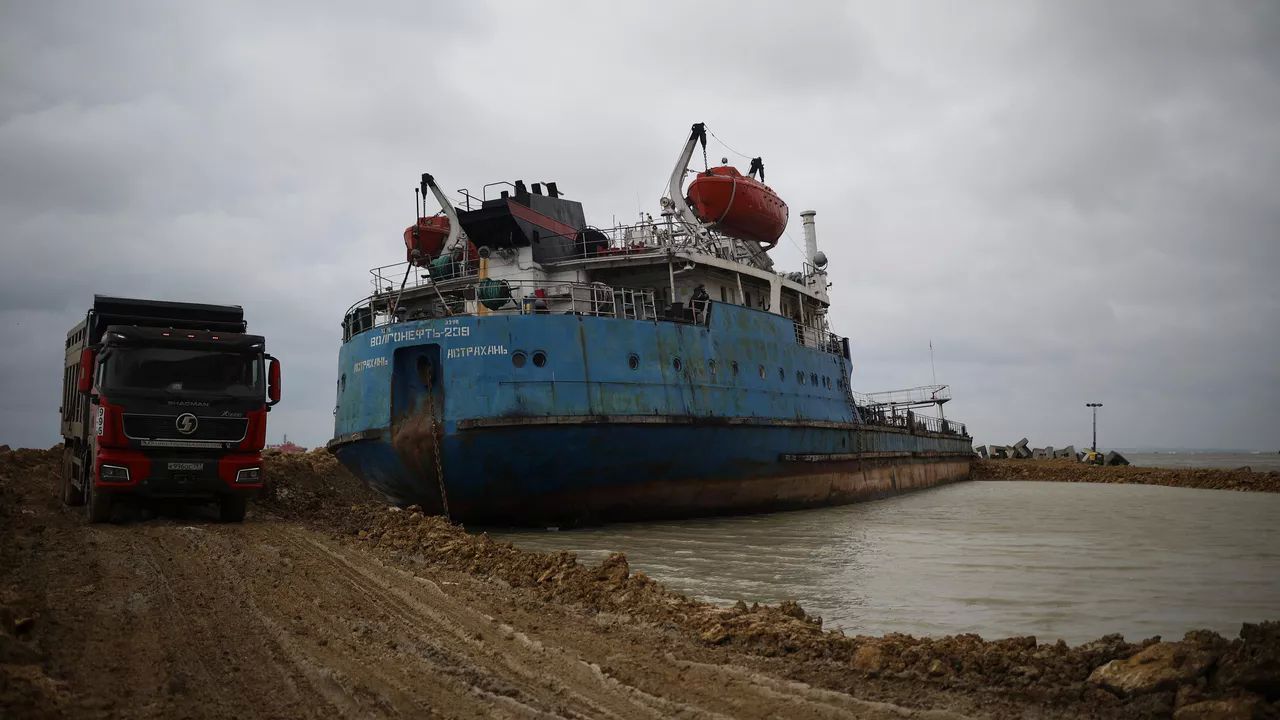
x,y
162,313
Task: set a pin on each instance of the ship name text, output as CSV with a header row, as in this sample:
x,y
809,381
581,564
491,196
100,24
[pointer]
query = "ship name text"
x,y
476,351
424,333
370,364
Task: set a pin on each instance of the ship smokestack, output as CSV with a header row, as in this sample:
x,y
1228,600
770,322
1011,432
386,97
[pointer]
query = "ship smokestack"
x,y
810,237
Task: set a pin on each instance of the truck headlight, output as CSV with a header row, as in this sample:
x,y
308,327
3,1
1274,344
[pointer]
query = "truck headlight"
x,y
249,476
114,473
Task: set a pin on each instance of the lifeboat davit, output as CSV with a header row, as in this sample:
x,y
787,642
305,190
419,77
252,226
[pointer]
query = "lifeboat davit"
x,y
738,205
427,236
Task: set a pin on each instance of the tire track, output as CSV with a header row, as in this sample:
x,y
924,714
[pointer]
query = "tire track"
x,y
523,659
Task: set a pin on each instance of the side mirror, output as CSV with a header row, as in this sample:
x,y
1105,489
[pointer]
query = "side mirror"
x,y
85,382
273,381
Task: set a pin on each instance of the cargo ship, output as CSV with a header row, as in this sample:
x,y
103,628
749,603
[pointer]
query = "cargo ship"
x,y
522,367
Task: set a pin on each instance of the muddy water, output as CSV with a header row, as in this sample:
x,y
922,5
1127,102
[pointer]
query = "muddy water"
x,y
1072,561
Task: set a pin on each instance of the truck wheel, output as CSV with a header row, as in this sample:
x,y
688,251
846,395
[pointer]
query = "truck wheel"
x,y
231,508
71,495
100,505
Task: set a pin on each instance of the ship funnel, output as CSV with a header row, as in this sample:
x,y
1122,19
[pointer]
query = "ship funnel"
x,y
811,239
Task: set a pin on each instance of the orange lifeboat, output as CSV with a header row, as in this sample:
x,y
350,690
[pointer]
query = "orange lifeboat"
x,y
738,205
426,236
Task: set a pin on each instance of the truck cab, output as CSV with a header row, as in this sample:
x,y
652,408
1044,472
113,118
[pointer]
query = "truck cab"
x,y
164,401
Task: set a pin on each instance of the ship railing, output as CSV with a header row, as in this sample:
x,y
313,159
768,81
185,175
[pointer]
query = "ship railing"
x,y
916,396
818,338
462,297
647,239
725,250
390,278
910,420
610,252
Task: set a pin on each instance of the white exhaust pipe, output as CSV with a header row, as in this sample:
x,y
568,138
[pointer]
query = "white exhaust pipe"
x,y
810,238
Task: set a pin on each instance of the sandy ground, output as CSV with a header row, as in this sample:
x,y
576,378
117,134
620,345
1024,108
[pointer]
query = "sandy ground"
x,y
323,605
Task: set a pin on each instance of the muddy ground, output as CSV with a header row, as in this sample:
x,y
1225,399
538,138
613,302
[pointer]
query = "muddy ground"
x,y
1062,470
325,603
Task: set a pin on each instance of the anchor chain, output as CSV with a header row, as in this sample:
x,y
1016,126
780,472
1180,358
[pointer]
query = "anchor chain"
x,y
435,445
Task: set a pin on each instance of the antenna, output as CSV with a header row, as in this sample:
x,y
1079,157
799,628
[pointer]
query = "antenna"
x,y
931,365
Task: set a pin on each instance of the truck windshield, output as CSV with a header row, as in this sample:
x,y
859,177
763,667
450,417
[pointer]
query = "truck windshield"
x,y
183,371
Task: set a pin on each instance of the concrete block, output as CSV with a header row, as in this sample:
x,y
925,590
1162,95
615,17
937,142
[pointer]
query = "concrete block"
x,y
1079,457
1068,452
1048,451
1038,454
981,451
1114,458
996,452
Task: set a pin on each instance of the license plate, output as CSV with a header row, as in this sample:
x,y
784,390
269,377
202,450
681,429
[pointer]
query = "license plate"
x,y
186,466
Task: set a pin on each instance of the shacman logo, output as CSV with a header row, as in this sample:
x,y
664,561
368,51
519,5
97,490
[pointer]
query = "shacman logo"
x,y
187,423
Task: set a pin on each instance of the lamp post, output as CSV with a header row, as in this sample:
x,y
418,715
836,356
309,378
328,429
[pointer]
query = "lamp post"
x,y
1095,407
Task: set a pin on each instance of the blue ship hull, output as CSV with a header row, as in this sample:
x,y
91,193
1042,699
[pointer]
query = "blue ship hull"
x,y
567,419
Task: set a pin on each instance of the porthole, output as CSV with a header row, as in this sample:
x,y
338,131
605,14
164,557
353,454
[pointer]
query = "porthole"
x,y
711,366
813,378
633,361
761,372
675,363
518,359
734,366
800,376
539,358
782,375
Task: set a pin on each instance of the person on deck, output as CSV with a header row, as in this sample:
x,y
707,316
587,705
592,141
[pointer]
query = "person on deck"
x,y
699,301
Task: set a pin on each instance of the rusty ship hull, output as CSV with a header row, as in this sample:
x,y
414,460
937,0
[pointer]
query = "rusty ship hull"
x,y
620,419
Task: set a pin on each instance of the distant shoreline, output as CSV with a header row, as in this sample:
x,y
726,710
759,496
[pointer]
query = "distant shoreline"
x,y
1062,470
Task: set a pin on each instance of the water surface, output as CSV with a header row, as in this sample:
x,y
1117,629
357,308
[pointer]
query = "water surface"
x,y
1257,461
1071,560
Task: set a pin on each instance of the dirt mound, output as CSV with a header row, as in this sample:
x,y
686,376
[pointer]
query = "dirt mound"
x,y
1069,471
309,485
23,682
26,460
17,470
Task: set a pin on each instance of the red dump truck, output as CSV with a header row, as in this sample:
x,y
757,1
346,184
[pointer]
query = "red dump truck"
x,y
167,401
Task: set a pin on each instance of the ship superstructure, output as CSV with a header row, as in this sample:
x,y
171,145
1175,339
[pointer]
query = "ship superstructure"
x,y
523,367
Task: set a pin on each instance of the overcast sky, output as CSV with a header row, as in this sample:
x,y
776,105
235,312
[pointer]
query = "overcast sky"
x,y
1075,201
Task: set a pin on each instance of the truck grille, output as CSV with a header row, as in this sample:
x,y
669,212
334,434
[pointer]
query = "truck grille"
x,y
152,427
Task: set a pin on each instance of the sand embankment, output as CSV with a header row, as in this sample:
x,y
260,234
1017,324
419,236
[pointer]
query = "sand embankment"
x,y
1061,470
